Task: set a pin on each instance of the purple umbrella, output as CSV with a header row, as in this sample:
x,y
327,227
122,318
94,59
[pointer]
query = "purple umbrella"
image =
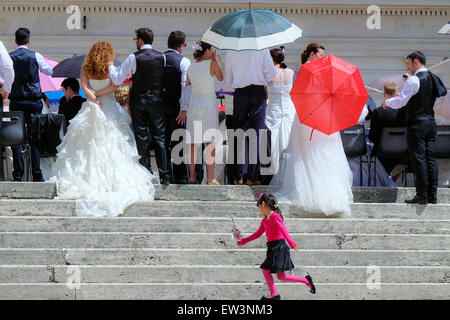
x,y
379,83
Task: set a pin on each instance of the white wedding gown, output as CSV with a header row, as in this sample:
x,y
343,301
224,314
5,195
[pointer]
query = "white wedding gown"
x,y
97,162
314,174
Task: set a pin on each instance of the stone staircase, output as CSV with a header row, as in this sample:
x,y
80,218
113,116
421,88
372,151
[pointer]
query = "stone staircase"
x,y
179,247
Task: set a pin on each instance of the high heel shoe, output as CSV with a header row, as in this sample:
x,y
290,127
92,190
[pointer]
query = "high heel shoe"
x,y
213,182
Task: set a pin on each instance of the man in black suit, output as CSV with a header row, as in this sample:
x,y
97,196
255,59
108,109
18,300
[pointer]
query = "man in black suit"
x,y
419,96
382,118
146,100
70,104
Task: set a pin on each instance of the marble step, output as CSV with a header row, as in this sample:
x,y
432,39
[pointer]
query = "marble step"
x,y
220,225
46,190
211,240
39,207
215,274
232,257
223,291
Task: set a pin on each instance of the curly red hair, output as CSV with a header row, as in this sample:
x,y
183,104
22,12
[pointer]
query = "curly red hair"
x,y
96,61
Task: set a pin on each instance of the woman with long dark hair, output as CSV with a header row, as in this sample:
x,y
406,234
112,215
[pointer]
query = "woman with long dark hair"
x,y
202,122
315,174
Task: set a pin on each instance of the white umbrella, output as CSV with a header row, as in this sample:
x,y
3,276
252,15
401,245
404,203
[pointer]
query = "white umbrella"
x,y
441,67
445,29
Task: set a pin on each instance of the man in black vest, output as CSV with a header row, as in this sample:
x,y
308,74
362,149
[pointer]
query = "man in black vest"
x,y
146,100
419,96
175,75
26,96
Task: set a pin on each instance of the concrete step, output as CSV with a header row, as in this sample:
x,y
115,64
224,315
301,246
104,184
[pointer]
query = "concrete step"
x,y
220,225
27,190
224,209
212,240
225,291
34,190
214,274
231,257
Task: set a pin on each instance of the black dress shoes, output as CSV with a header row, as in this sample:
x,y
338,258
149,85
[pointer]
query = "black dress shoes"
x,y
418,200
432,200
313,287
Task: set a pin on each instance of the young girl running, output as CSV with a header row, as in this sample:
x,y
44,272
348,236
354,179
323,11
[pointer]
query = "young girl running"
x,y
278,258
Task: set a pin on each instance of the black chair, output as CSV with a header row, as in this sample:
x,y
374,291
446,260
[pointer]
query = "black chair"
x,y
14,133
442,145
354,143
394,144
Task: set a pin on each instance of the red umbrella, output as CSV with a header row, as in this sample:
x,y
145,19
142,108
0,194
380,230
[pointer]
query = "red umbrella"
x,y
329,94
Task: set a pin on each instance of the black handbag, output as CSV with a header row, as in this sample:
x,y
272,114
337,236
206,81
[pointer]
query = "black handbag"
x,y
439,88
354,141
13,132
393,143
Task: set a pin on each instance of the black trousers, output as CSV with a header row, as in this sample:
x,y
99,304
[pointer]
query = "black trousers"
x,y
249,107
179,172
149,120
29,109
421,140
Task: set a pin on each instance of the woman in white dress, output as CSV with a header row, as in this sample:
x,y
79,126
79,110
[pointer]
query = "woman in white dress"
x,y
315,174
202,122
97,162
280,111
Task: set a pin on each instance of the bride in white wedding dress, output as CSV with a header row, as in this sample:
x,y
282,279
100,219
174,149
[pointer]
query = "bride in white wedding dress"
x,y
97,162
314,174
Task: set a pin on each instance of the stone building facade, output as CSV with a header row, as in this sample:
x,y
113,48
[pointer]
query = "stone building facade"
x,y
340,25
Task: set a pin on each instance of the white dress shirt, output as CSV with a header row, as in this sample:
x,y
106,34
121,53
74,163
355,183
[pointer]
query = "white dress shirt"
x,y
184,66
412,86
118,76
43,66
244,68
6,68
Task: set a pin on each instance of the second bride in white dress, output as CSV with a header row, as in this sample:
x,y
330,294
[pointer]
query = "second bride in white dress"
x,y
314,174
97,162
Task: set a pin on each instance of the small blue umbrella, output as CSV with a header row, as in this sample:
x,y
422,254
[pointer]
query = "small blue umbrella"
x,y
252,29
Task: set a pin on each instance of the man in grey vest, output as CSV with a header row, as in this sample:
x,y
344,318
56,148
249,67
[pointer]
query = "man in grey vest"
x,y
419,96
146,100
26,96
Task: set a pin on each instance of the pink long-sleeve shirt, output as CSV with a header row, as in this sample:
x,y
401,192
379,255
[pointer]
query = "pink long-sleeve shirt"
x,y
274,228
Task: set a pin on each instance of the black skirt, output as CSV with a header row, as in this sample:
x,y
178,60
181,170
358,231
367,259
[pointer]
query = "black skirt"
x,y
278,257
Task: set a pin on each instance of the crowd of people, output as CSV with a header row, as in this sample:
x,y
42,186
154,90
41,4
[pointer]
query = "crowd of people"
x,y
104,162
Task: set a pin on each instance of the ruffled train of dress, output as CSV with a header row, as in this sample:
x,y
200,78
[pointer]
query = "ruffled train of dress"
x,y
98,164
